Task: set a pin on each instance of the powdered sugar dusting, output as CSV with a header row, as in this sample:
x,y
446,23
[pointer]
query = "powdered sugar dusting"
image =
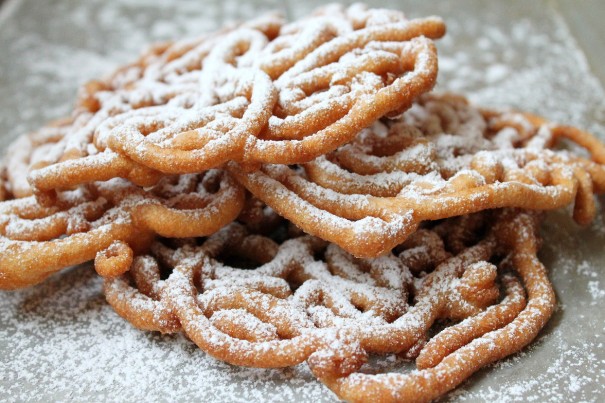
x,y
71,307
62,341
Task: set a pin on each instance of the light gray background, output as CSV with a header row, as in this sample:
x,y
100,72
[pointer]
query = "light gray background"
x,y
61,341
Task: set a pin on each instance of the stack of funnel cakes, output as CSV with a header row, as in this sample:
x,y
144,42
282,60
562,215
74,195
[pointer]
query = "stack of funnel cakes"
x,y
293,192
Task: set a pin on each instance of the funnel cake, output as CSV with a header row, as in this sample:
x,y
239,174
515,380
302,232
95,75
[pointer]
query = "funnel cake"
x,y
379,218
108,220
442,158
262,92
249,300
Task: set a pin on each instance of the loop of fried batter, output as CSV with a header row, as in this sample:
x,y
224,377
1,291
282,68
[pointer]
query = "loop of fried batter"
x,y
29,152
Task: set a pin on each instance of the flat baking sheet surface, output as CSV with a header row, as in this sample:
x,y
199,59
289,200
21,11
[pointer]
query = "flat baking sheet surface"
x,y
61,341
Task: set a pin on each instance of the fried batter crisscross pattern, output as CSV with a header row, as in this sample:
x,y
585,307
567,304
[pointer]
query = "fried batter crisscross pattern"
x,y
443,158
308,300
